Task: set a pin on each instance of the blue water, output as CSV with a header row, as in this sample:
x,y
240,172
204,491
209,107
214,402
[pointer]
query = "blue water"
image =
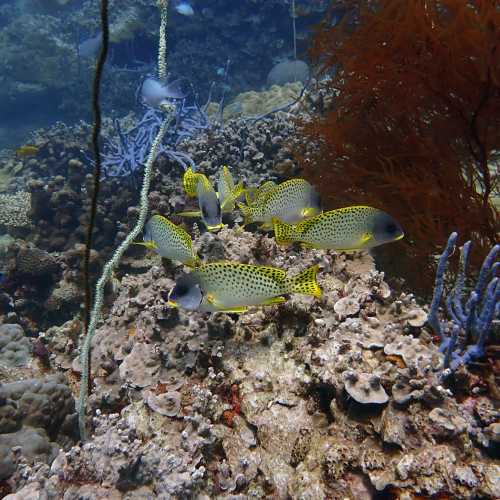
x,y
48,57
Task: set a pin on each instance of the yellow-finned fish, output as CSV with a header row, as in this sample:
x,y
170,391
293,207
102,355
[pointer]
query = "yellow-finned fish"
x,y
255,195
27,150
291,201
350,228
208,201
227,190
190,181
234,287
169,241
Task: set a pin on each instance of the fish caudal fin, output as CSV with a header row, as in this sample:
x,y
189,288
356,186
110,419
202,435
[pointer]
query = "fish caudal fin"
x,y
305,282
285,233
247,214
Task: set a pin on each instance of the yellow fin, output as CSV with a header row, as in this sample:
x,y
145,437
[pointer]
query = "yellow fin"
x,y
285,233
235,310
247,213
148,244
305,282
195,262
190,213
274,301
220,308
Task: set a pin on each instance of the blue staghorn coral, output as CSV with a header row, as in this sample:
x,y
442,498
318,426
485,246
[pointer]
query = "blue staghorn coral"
x,y
126,155
471,316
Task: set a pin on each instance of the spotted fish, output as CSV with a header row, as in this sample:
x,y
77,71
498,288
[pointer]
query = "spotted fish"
x,y
169,241
233,287
254,195
291,201
208,201
350,228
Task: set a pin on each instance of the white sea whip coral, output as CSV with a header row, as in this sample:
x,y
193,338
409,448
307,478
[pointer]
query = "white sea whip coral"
x,y
143,211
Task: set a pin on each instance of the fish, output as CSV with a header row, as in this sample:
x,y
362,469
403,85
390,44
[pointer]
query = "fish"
x,y
170,241
254,195
184,8
190,181
90,47
346,229
227,190
27,150
208,201
290,201
155,93
234,287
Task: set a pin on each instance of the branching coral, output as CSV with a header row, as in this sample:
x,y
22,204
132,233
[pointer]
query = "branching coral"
x,y
415,125
126,155
473,320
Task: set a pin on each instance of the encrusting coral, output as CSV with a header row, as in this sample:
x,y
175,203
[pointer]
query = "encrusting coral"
x,y
428,156
274,401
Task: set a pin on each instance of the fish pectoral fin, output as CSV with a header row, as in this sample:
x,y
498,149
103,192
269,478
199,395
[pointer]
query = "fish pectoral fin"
x,y
365,238
309,212
148,244
190,213
274,301
235,310
220,308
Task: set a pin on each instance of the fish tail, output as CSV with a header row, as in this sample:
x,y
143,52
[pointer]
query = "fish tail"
x,y
238,190
305,282
285,233
194,262
247,213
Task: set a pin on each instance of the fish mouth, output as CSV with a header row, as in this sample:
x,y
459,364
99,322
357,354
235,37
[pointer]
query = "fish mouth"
x,y
400,237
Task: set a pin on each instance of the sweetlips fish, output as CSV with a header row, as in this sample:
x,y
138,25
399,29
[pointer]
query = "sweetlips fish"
x,y
234,287
208,201
254,195
290,201
169,241
190,181
227,190
349,228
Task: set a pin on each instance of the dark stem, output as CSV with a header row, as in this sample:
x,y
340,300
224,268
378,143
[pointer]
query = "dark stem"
x,y
96,130
481,156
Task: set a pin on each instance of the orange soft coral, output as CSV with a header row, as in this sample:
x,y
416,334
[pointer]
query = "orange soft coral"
x,y
416,123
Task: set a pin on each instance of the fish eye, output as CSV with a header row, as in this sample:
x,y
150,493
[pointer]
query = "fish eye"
x,y
391,228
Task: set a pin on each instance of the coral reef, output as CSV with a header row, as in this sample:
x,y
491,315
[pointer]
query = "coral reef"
x,y
15,210
37,417
15,348
300,400
252,104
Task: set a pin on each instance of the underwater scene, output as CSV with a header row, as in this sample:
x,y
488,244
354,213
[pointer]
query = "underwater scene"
x,y
249,249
